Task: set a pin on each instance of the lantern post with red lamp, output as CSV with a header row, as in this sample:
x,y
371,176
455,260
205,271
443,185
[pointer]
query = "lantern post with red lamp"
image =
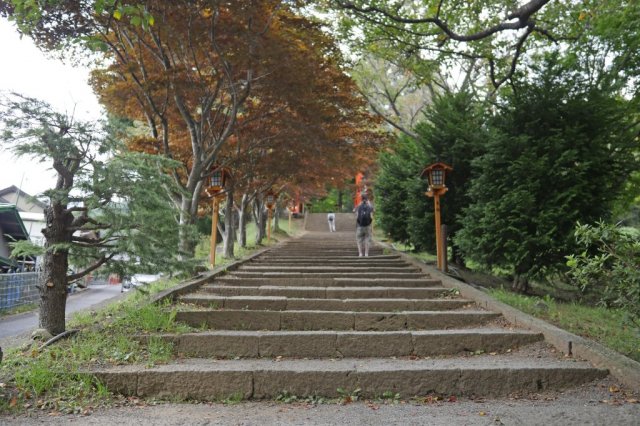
x,y
270,202
437,174
214,190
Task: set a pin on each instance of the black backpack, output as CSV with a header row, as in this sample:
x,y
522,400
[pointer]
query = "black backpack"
x,y
364,215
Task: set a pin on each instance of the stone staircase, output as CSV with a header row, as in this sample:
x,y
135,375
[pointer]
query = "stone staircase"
x,y
310,318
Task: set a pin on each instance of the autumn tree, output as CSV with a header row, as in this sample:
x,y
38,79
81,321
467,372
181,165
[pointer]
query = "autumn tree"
x,y
304,123
178,65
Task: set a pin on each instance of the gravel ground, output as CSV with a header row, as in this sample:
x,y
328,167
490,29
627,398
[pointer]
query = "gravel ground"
x,y
600,403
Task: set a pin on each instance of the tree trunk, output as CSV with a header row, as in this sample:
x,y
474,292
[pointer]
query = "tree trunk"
x,y
53,292
276,218
456,256
520,283
229,234
260,214
186,246
242,224
53,287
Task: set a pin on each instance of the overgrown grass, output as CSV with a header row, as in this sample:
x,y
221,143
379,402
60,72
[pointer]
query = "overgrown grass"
x,y
603,325
409,250
18,309
52,378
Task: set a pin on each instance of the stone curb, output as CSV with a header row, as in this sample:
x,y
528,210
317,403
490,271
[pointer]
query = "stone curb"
x,y
624,369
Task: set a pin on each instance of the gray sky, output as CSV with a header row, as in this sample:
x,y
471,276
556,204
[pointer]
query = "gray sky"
x,y
28,71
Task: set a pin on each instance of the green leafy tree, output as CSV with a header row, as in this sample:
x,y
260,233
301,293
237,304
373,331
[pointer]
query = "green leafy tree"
x,y
560,153
452,133
609,266
107,207
399,167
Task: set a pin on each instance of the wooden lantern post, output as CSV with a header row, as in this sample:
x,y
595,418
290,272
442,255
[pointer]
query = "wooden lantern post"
x,y
270,202
217,181
437,174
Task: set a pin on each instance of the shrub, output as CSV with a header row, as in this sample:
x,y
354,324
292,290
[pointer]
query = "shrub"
x,y
609,266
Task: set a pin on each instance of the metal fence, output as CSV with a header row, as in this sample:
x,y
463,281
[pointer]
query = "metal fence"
x,y
18,289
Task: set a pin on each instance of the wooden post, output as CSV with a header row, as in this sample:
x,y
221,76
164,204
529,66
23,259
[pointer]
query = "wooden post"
x,y
269,225
290,214
214,231
436,201
443,233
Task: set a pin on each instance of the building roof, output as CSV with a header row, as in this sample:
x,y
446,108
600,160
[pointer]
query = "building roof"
x,y
22,194
11,223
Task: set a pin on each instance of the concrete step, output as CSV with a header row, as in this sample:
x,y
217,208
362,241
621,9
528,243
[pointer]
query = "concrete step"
x,y
327,292
333,320
280,303
318,248
206,379
317,222
279,257
325,268
357,262
339,344
330,275
303,281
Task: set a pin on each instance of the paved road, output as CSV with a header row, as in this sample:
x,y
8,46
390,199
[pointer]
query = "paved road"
x,y
14,329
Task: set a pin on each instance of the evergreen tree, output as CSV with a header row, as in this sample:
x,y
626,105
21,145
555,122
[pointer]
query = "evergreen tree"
x,y
398,168
452,133
108,208
559,153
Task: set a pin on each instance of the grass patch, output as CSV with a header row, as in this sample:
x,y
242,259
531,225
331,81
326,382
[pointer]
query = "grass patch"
x,y
52,378
603,325
408,249
18,309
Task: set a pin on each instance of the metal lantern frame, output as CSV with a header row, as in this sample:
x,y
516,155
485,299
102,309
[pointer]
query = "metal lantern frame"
x,y
217,179
270,199
437,175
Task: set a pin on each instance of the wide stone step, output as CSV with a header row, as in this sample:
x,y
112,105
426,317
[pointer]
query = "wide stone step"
x,y
328,282
329,275
280,257
325,268
206,379
338,344
326,292
324,320
323,262
279,303
319,251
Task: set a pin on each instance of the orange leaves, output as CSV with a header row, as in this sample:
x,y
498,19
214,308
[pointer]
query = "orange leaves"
x,y
260,89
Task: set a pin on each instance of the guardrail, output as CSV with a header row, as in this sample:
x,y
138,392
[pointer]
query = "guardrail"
x,y
18,289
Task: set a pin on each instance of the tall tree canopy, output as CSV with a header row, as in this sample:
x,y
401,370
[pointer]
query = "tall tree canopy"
x,y
195,72
495,32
